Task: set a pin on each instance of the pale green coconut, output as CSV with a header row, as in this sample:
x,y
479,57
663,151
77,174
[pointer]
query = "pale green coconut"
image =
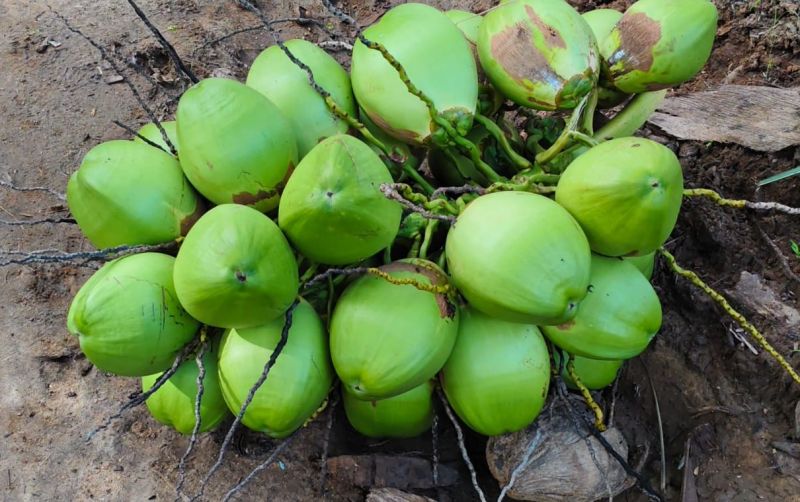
x,y
333,210
174,402
127,316
438,60
236,145
275,76
297,383
129,193
235,269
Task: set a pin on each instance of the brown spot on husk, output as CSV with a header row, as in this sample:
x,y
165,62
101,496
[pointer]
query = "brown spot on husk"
x,y
638,36
513,50
403,134
249,199
447,308
551,36
188,222
565,326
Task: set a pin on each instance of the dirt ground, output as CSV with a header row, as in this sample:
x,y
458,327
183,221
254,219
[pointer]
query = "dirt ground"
x,y
57,101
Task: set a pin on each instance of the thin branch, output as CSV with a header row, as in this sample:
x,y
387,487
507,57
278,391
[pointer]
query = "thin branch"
x,y
287,324
141,397
83,256
299,20
739,203
266,463
104,54
201,374
737,316
16,188
340,14
391,193
336,45
173,55
523,464
462,446
458,190
323,474
134,133
25,223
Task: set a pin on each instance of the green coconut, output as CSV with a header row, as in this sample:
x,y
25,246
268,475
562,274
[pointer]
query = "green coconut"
x,y
236,144
519,257
595,374
388,338
235,269
626,193
617,319
127,193
645,263
173,403
498,374
539,53
659,44
602,21
467,22
151,132
438,61
127,316
333,210
404,416
297,383
275,76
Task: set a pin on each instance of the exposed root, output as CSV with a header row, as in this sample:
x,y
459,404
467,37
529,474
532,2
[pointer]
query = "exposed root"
x,y
738,317
173,55
141,397
587,395
201,374
82,257
263,465
250,395
461,445
739,203
15,188
104,54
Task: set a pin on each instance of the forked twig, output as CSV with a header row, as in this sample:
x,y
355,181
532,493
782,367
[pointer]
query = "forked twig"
x,y
461,445
287,324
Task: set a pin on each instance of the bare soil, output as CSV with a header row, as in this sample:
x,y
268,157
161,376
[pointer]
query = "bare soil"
x,y
56,102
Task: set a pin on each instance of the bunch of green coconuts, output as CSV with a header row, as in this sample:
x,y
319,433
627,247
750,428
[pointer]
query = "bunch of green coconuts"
x,y
546,255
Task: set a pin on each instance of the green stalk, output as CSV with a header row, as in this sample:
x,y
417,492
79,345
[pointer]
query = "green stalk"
x,y
632,117
518,160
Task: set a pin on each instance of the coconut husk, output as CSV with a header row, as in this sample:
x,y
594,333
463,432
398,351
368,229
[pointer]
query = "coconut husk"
x,y
561,467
